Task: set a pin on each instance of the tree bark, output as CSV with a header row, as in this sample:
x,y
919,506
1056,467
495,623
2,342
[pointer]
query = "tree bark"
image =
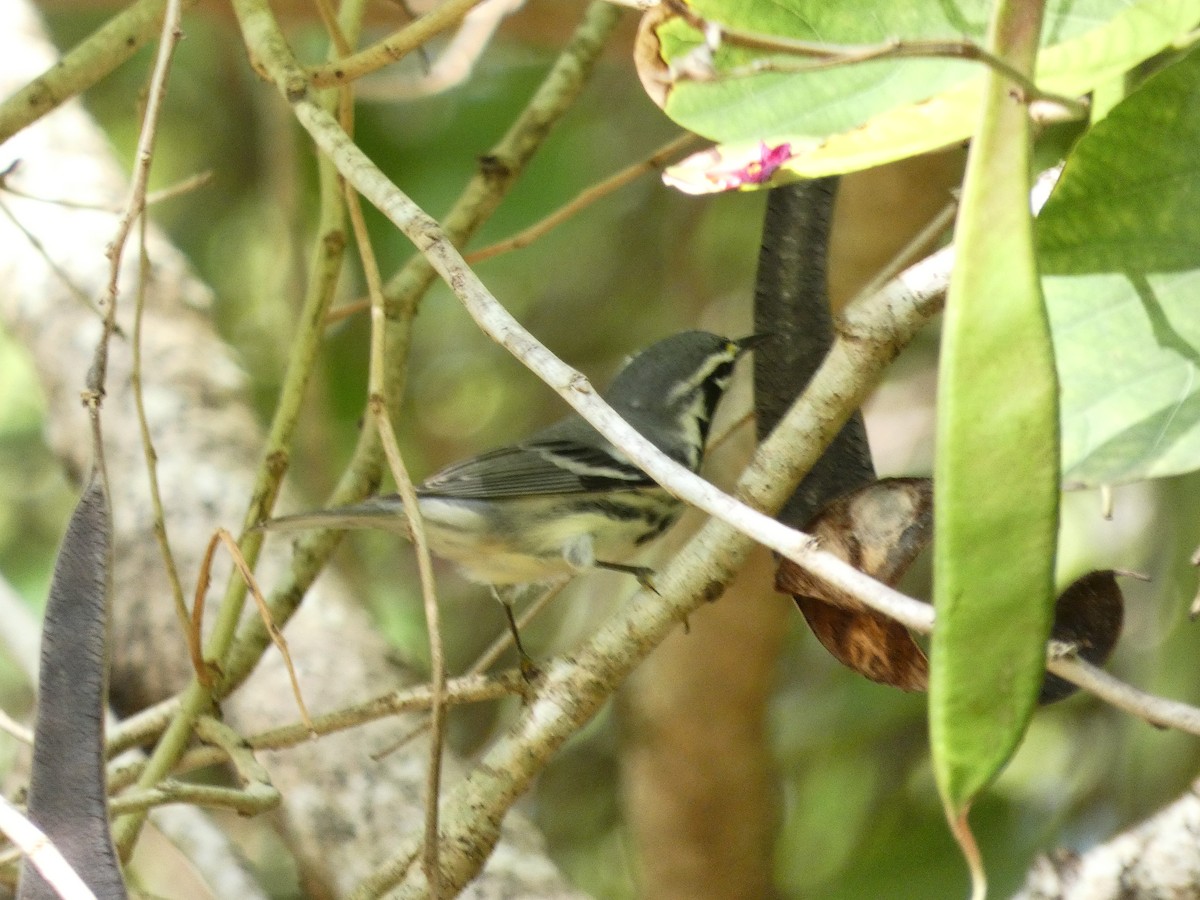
x,y
1154,860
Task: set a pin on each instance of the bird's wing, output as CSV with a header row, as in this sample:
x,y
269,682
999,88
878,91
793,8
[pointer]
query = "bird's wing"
x,y
535,467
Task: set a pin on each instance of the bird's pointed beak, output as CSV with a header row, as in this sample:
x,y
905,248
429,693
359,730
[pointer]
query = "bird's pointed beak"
x,y
750,342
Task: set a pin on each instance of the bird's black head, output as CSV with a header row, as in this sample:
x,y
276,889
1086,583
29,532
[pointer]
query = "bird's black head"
x,y
670,390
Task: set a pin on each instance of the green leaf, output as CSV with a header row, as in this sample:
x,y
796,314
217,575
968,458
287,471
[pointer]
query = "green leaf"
x,y
1119,242
854,117
821,102
997,464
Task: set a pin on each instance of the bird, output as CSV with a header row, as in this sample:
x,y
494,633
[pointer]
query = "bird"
x,y
565,499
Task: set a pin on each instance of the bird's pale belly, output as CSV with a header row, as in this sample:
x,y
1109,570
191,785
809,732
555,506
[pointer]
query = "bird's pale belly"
x,y
533,539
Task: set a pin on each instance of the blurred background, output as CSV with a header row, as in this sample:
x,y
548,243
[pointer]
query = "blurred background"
x,y
853,805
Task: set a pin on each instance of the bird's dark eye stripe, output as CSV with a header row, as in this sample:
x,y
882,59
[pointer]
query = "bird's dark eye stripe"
x,y
720,366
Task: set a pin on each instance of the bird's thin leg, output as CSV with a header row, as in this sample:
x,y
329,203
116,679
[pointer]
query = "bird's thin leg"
x,y
529,668
643,574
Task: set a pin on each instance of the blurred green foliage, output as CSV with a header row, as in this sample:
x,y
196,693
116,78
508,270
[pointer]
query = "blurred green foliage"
x,y
858,809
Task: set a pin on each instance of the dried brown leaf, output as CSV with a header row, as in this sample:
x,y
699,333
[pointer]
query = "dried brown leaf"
x,y
878,529
870,644
651,69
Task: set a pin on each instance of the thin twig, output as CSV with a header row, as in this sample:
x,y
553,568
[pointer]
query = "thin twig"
x,y
585,198
170,192
1153,709
136,203
1156,710
920,243
168,790
378,406
15,729
151,456
179,188
333,28
459,691
264,611
135,207
142,727
383,422
200,666
453,65
59,272
392,48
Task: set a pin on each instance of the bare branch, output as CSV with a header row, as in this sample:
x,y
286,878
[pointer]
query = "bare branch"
x,y
90,61
393,47
1156,858
655,161
453,65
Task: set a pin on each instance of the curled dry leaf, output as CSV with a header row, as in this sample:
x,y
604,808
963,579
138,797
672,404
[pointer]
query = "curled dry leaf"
x,y
878,529
871,644
652,69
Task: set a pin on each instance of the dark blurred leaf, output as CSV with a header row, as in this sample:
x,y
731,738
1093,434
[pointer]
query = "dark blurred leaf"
x,y
1087,620
67,795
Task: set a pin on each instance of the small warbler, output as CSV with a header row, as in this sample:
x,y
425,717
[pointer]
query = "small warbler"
x,y
565,499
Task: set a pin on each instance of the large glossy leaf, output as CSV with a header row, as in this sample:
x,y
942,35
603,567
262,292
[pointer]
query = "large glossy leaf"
x,y
822,102
852,117
1119,241
997,464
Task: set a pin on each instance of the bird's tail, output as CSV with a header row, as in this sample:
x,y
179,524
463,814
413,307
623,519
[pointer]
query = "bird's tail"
x,y
385,513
